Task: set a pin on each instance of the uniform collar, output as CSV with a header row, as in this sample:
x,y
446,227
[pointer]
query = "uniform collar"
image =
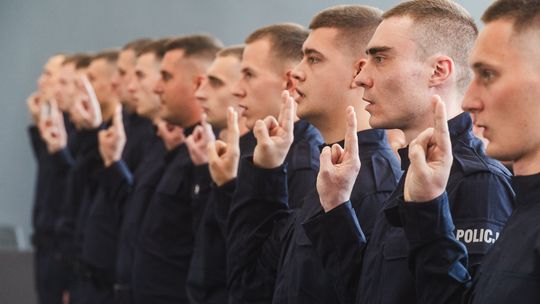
x,y
189,130
527,188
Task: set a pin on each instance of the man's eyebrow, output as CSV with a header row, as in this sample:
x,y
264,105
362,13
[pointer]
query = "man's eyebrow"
x,y
214,79
247,70
480,65
310,51
377,49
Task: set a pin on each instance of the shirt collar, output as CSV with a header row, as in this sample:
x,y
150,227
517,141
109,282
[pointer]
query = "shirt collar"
x,y
527,188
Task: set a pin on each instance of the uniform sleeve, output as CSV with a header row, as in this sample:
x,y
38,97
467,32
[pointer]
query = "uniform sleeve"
x,y
437,260
480,206
38,146
86,164
221,197
302,169
259,203
117,183
340,239
449,240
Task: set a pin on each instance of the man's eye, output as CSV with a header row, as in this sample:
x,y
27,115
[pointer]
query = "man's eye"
x,y
312,60
486,75
378,59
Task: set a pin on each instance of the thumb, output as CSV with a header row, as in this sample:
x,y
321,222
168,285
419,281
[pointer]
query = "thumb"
x,y
326,158
261,132
418,149
212,152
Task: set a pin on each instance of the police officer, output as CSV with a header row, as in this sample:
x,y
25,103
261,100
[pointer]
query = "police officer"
x,y
270,258
418,50
503,99
206,282
131,192
165,238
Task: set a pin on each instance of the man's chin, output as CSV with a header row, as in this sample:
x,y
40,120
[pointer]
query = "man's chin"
x,y
171,120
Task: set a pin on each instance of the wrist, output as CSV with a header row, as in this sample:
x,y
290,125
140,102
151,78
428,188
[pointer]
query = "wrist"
x,y
329,205
421,197
220,181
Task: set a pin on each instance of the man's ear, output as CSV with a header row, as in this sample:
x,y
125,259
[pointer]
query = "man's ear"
x,y
197,81
357,68
442,70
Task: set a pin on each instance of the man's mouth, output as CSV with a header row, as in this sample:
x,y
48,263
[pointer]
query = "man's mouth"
x,y
367,100
300,93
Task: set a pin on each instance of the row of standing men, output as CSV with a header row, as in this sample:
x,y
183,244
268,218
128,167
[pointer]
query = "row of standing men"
x,y
262,173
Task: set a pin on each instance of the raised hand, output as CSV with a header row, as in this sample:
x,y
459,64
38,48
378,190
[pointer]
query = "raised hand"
x,y
198,141
431,159
34,107
113,140
86,110
274,137
223,156
53,130
339,168
172,135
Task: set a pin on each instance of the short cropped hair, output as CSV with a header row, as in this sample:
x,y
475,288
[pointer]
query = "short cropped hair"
x,y
442,26
235,50
355,23
80,60
198,46
524,14
156,47
137,45
286,40
111,56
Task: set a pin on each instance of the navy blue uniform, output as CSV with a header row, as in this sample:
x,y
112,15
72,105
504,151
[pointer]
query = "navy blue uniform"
x,y
207,279
139,133
105,214
51,274
270,258
482,200
510,273
165,239
135,205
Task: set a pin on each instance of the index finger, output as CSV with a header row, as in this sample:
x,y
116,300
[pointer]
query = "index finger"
x,y
117,122
441,134
55,112
286,116
233,132
90,91
351,139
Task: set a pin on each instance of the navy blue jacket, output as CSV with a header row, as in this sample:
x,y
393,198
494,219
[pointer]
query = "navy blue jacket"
x,y
165,239
270,257
52,172
107,209
81,185
140,133
482,200
135,204
207,279
508,274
